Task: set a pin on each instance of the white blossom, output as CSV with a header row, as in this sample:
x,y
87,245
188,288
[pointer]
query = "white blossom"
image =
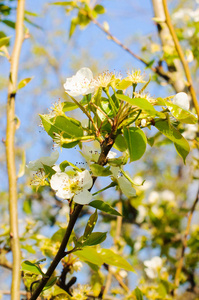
x,y
77,266
168,195
80,84
181,99
142,212
35,165
153,267
190,131
144,122
75,187
153,197
123,273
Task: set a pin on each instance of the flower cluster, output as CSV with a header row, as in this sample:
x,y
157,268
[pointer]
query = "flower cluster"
x,y
75,188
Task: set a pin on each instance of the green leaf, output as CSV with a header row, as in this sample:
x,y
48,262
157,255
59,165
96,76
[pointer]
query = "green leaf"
x,y
68,106
70,128
142,104
99,9
4,41
113,259
58,235
73,25
65,3
24,82
150,141
31,267
120,143
50,283
105,207
123,85
66,163
181,114
9,23
136,141
95,238
138,294
98,170
49,171
181,144
89,254
90,224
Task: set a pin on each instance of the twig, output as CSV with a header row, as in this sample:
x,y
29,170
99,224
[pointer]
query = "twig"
x,y
181,56
184,243
158,70
10,151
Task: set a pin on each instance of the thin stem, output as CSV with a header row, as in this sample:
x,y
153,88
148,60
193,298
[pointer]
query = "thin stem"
x,y
89,116
107,117
10,152
158,70
181,56
184,243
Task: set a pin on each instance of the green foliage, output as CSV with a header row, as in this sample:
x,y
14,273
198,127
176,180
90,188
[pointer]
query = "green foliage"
x,y
105,207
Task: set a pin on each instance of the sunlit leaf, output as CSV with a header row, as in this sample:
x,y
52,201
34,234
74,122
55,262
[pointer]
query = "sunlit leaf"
x,y
113,259
90,224
24,82
181,144
181,114
31,267
142,104
105,207
98,170
136,141
138,294
4,41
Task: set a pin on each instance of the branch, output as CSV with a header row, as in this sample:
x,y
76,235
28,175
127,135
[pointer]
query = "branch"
x,y
184,243
106,145
181,56
158,70
10,152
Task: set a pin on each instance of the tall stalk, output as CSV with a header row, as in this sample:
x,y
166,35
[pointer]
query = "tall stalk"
x,y
10,152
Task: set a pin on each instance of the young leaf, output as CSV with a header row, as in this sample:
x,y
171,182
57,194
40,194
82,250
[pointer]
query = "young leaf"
x,y
99,9
90,224
24,82
136,141
98,170
120,143
105,207
89,254
49,171
68,106
142,104
31,267
113,259
181,144
138,294
181,114
4,41
95,238
50,283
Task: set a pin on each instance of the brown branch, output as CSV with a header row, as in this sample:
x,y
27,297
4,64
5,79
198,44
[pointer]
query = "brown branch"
x,y
184,243
181,56
106,145
10,151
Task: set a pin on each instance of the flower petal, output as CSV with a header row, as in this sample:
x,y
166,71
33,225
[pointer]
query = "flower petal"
x,y
58,179
181,99
37,164
83,197
64,194
85,73
85,179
